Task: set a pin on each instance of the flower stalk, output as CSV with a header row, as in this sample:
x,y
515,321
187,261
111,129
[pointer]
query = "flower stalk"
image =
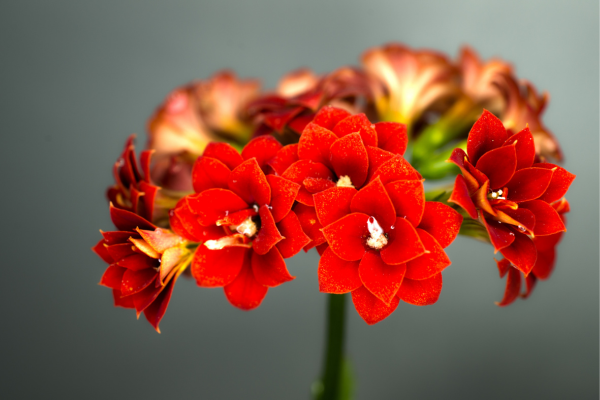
x,y
331,382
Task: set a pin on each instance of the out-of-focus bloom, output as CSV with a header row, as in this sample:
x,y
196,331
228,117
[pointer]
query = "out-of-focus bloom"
x,y
338,149
406,83
511,196
144,264
301,93
243,217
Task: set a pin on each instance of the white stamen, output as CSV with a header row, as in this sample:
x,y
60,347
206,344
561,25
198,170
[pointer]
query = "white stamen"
x,y
247,228
222,242
377,240
344,181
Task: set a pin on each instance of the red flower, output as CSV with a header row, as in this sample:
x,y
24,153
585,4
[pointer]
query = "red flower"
x,y
511,196
343,150
243,217
386,243
144,263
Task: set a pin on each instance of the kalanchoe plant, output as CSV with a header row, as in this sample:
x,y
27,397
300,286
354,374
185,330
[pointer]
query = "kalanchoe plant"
x,y
326,171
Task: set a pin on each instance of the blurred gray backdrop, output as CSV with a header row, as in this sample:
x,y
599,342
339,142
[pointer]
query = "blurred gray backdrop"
x,y
77,77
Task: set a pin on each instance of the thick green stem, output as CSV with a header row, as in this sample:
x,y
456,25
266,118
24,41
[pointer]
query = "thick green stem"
x,y
334,353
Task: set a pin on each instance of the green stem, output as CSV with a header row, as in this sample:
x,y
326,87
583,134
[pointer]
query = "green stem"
x,y
334,354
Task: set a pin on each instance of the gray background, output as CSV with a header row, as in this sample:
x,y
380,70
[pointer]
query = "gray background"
x,y
78,77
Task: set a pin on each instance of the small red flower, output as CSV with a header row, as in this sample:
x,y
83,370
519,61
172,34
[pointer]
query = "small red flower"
x,y
509,193
242,214
386,243
144,264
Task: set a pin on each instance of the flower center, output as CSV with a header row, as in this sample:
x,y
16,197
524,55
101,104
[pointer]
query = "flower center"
x,y
497,195
377,238
247,228
344,181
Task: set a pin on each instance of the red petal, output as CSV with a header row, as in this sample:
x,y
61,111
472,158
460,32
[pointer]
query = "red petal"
x,y
544,263
294,237
223,152
503,266
404,243
486,134
441,221
396,169
138,262
125,302
370,308
284,158
160,239
429,264
349,158
269,269
321,248
524,147
303,169
559,184
479,176
530,282
500,235
316,185
209,173
374,201
214,204
214,268
112,277
314,144
547,220
458,158
498,165
143,299
100,250
136,281
528,184
336,275
310,224
283,195
381,279
513,287
521,218
346,236
127,221
249,182
360,124
120,251
333,204
521,253
236,218
155,311
408,198
245,292
421,293
376,158
391,136
329,116
460,196
268,235
480,197
264,149
117,237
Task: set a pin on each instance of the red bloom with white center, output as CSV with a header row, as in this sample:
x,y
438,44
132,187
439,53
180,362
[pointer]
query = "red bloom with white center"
x,y
386,243
338,149
511,196
144,263
243,216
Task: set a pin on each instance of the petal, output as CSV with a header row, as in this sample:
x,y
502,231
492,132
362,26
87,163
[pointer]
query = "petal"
x,y
329,116
460,196
136,281
441,222
269,269
530,282
336,275
138,262
316,185
498,165
391,136
169,261
209,173
370,308
408,198
524,147
214,268
521,253
528,184
127,221
249,182
283,195
155,311
346,236
559,184
521,218
396,169
125,302
374,201
486,134
245,292
100,250
357,123
544,263
300,170
404,243
381,279
500,235
144,299
223,152
284,158
112,277
160,239
268,235
421,293
458,157
314,144
116,237
480,197
294,237
429,264
332,204
263,149
513,287
310,224
214,204
376,158
120,251
547,220
349,158
503,266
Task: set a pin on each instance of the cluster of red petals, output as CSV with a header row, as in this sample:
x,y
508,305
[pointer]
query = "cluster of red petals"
x,y
144,263
241,212
510,194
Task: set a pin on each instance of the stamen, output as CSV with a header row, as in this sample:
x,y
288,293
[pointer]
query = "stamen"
x,y
344,181
233,240
247,228
377,239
